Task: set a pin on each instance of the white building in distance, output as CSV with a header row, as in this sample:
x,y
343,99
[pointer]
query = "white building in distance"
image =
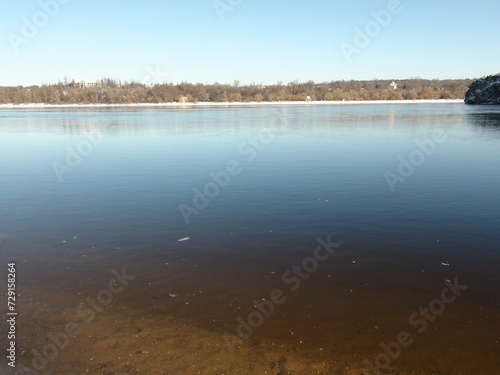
x,y
85,84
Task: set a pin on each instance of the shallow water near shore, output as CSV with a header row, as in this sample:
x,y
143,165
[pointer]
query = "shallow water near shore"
x,y
409,192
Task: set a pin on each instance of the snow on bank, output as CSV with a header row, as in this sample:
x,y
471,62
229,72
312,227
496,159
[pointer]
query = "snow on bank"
x,y
235,104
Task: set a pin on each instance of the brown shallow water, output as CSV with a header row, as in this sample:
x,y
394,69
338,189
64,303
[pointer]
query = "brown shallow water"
x,y
332,324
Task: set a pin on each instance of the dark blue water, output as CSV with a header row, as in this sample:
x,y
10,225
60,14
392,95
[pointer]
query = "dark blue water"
x,y
319,170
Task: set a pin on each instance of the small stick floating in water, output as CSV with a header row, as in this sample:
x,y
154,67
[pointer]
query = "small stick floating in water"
x,y
183,239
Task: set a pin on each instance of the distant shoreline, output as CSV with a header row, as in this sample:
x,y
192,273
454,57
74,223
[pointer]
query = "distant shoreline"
x,y
233,104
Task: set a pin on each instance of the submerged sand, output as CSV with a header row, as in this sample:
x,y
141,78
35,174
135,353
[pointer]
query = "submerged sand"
x,y
173,317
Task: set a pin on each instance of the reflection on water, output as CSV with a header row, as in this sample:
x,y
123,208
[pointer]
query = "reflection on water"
x,y
194,120
488,119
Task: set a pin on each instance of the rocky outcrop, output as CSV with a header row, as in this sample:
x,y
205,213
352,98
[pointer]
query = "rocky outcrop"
x,y
484,91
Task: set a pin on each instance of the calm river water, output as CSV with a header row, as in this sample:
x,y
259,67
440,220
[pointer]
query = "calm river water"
x,y
409,193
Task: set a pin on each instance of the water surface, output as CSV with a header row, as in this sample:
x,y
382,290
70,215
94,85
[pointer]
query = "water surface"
x,y
303,172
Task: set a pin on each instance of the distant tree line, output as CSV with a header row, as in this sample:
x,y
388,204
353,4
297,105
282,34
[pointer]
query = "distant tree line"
x,y
108,91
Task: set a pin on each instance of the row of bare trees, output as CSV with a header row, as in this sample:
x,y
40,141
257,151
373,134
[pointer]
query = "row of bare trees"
x,y
109,91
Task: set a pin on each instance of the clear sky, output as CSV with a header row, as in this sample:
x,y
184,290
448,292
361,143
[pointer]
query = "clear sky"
x,y
258,41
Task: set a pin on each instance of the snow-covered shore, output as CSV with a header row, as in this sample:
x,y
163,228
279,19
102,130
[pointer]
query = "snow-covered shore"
x,y
232,104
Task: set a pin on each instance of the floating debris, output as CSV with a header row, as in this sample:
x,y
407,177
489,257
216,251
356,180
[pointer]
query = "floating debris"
x,y
184,239
445,264
173,295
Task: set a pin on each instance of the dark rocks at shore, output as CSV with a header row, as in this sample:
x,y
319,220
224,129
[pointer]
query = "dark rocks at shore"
x,y
484,91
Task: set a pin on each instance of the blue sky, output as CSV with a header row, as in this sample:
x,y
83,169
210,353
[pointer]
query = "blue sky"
x,y
256,41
